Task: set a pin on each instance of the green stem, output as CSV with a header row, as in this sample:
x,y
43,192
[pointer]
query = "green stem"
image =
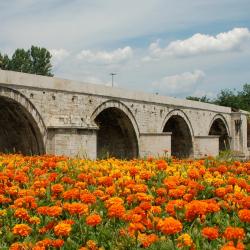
x,y
172,238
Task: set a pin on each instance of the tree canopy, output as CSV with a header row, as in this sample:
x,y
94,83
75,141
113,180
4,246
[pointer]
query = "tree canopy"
x,y
35,60
229,98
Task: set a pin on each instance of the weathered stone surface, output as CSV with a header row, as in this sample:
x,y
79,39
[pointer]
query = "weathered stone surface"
x,y
60,116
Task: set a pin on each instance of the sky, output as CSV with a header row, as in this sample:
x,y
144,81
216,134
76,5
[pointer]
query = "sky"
x,y
175,48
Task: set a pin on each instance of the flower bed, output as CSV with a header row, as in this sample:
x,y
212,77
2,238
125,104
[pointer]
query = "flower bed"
x,y
49,202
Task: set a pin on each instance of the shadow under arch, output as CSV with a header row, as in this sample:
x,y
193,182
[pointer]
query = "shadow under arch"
x,y
219,127
118,131
179,125
21,127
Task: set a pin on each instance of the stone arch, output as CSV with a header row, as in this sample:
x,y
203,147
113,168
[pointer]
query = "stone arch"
x,y
248,132
180,126
118,131
22,128
218,126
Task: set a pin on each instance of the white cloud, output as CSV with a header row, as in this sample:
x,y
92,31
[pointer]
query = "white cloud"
x,y
201,44
179,84
59,54
112,57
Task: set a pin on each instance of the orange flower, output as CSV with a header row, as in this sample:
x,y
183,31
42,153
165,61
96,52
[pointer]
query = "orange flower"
x,y
116,211
21,229
88,198
193,173
21,213
62,229
221,192
135,227
147,239
174,205
58,243
53,211
244,215
230,246
34,220
234,233
195,209
57,188
169,226
92,245
145,205
210,233
184,240
93,220
21,246
76,208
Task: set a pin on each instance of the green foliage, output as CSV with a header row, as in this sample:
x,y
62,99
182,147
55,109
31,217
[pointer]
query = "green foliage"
x,y
199,99
229,98
35,60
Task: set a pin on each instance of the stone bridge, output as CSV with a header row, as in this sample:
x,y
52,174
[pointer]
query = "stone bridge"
x,y
41,114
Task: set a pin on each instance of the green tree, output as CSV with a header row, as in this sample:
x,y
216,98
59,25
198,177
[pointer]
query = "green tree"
x,y
245,97
20,61
40,58
199,99
229,98
35,61
4,62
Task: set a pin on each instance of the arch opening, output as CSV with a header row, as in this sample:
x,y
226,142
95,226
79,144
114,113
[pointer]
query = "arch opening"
x,y
116,136
19,132
218,127
181,139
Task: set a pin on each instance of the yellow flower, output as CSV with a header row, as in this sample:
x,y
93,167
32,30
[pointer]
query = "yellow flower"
x,y
3,212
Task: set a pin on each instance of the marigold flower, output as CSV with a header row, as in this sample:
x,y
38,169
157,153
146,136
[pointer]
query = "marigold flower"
x,y
93,220
62,229
71,194
21,246
113,201
57,188
195,209
88,198
145,205
210,233
221,192
76,208
21,213
147,239
193,174
135,227
184,240
161,165
34,220
234,233
244,215
175,205
156,209
176,193
161,191
230,246
22,230
116,211
3,212
57,243
92,245
169,226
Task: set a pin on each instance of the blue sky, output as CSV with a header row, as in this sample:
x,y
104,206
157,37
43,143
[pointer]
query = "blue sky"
x,y
176,48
